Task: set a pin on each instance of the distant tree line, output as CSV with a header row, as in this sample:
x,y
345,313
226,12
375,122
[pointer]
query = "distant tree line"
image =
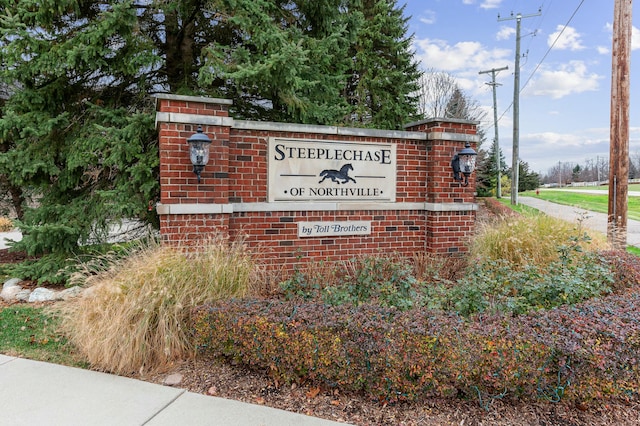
x,y
592,170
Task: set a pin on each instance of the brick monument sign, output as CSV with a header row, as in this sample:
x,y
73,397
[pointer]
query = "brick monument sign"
x,y
299,192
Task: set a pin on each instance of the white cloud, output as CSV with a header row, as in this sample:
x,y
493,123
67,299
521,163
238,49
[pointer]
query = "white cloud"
x,y
466,55
603,50
567,39
535,148
568,79
428,17
485,4
505,33
490,4
635,38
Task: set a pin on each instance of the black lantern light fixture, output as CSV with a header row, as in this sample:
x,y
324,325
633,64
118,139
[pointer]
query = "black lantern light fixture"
x,y
199,144
464,162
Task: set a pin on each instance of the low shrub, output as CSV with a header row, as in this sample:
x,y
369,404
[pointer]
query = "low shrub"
x,y
497,208
583,353
134,317
625,267
495,286
372,279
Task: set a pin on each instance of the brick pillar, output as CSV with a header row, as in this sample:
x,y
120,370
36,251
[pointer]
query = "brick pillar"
x,y
189,210
451,208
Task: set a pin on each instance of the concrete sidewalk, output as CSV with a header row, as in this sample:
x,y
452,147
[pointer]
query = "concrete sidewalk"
x,y
590,220
37,393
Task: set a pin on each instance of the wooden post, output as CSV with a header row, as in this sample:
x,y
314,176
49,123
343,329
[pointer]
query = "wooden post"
x,y
619,143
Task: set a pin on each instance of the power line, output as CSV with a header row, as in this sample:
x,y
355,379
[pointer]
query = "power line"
x,y
515,164
545,55
493,85
552,45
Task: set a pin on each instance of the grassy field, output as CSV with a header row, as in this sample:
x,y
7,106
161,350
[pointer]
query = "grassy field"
x,y
588,201
604,188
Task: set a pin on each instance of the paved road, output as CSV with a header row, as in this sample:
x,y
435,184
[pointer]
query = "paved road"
x,y
591,220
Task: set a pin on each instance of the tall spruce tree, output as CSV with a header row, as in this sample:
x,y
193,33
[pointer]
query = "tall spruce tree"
x,y
383,78
74,128
280,60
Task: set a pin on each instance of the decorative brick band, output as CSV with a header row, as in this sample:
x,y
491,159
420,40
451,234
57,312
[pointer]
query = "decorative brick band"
x,y
316,207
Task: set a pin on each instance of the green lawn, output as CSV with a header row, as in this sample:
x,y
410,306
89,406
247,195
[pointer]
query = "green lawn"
x,y
31,332
604,188
594,202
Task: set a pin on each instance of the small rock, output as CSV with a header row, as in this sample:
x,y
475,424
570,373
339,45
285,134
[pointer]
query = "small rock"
x,y
10,289
69,293
13,282
212,391
9,294
42,294
23,295
172,379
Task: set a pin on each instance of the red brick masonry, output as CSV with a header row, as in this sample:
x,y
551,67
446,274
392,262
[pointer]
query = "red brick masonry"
x,y
431,212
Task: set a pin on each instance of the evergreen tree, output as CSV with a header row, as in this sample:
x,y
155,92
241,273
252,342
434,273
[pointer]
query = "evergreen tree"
x,y
383,77
487,173
279,60
74,129
77,122
528,180
575,173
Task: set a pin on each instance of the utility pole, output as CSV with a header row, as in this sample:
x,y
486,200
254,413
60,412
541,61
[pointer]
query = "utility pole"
x,y
493,84
515,164
619,143
559,174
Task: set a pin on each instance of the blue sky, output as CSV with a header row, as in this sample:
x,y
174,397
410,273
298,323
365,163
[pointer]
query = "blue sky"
x,y
565,89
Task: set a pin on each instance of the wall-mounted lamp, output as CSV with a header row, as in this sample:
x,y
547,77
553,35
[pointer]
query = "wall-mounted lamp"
x,y
464,162
199,144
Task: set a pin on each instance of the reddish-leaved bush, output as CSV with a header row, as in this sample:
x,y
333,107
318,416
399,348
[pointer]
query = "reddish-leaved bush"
x,y
587,352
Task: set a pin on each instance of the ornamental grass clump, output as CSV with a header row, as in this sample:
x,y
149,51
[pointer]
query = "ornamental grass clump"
x,y
533,239
134,316
6,224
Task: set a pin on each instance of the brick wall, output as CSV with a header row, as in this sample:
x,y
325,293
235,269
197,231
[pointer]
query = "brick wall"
x,y
431,211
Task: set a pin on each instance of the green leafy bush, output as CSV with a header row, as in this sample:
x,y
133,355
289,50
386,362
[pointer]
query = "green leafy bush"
x,y
385,281
495,286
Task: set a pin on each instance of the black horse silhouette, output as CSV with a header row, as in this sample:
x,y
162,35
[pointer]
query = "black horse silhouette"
x,y
338,176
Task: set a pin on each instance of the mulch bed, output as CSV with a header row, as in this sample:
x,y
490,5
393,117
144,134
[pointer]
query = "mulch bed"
x,y
7,256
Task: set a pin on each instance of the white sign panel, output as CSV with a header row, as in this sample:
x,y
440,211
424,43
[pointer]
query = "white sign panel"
x,y
326,229
310,170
